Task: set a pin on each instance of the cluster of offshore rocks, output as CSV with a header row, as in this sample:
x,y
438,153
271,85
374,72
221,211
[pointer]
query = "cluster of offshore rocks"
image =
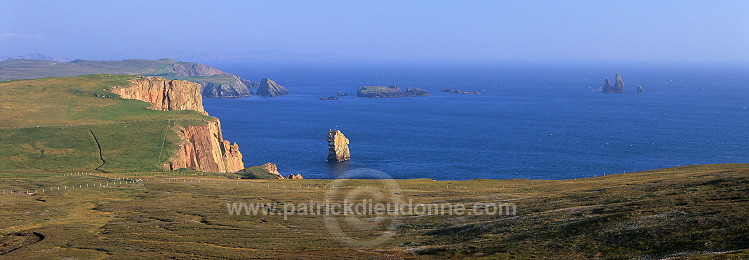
x,y
459,91
618,86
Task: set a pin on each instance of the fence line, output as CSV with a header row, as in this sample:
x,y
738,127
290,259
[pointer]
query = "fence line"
x,y
114,123
119,180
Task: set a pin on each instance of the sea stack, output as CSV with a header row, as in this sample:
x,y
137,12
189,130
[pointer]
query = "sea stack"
x,y
270,88
337,147
617,88
619,84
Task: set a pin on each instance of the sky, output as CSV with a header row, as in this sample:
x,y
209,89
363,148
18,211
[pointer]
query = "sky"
x,y
383,30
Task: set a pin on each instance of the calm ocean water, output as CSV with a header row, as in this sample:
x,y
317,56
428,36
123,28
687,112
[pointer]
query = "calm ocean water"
x,y
538,122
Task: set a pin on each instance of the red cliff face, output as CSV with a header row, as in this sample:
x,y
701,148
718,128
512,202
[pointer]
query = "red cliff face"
x,y
201,147
164,94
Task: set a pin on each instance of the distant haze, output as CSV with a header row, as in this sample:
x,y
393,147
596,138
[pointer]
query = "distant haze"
x,y
399,30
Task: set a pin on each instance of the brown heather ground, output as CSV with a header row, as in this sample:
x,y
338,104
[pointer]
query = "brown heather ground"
x,y
692,211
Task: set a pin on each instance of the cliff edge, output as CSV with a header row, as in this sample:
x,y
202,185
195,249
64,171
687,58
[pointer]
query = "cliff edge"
x,y
163,94
201,146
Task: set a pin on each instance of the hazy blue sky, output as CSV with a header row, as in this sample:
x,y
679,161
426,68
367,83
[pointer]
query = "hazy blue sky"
x,y
523,30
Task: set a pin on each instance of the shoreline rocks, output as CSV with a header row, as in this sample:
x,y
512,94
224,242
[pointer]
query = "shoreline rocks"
x,y
267,171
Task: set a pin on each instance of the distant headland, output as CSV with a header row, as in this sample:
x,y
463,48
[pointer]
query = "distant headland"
x,y
213,82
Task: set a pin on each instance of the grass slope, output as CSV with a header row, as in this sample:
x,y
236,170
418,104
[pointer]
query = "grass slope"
x,y
695,212
34,69
50,124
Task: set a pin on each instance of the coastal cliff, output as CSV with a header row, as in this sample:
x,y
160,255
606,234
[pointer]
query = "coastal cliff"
x,y
201,146
163,94
215,83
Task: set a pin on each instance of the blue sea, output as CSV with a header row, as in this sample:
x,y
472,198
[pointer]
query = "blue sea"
x,y
530,121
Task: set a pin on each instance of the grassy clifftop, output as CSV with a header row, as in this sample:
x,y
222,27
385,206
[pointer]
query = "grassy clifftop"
x,y
63,124
32,69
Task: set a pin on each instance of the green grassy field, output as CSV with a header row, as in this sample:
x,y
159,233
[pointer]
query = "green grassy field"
x,y
33,69
55,123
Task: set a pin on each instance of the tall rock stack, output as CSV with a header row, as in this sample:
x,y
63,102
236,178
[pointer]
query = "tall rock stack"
x,y
337,146
606,86
619,84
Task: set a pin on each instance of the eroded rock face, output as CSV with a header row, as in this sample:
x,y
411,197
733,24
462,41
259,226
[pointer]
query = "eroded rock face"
x,y
338,146
203,148
235,89
270,88
250,84
271,168
163,94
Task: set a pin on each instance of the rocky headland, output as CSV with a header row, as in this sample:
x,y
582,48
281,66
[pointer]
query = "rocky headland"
x,y
270,88
214,82
390,92
201,146
338,146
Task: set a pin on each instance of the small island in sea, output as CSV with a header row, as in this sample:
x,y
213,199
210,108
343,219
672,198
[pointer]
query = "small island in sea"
x,y
459,91
390,92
